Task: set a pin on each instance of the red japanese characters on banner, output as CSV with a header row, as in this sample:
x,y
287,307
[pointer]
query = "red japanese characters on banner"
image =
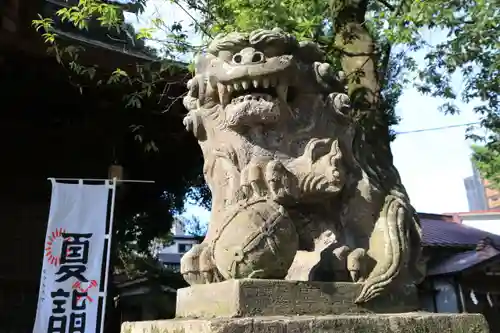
x,y
73,260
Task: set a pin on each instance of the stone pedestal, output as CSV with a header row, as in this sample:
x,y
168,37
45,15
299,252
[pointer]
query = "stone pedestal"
x,y
272,306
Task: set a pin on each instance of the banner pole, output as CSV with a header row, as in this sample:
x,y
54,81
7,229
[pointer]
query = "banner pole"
x,y
108,256
102,180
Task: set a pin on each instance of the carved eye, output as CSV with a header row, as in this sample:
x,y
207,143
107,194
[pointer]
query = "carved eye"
x,y
237,58
258,57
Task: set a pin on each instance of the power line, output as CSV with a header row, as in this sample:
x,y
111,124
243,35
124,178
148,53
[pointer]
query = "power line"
x,y
436,128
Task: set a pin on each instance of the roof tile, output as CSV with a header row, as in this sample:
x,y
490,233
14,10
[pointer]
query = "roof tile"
x,y
437,232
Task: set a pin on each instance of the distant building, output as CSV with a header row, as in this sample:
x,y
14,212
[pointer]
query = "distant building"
x,y
479,195
485,220
171,255
474,187
463,267
492,196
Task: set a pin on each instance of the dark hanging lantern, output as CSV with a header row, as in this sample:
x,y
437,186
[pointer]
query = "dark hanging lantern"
x,y
115,171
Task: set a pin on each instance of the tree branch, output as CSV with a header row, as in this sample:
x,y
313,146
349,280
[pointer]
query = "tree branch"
x,y
343,51
194,20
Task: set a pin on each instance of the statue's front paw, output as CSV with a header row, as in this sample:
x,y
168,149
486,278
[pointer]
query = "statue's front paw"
x,y
197,266
268,179
356,264
340,263
282,184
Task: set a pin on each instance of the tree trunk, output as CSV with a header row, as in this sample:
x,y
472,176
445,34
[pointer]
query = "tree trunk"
x,y
397,256
359,62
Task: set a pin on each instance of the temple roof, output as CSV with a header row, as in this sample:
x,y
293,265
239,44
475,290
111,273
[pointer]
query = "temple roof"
x,y
440,232
465,260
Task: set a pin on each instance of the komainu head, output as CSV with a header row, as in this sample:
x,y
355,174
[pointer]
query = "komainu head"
x,y
256,78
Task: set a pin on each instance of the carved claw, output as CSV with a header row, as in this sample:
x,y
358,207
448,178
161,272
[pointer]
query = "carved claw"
x,y
252,182
350,264
269,178
282,184
340,262
197,266
356,264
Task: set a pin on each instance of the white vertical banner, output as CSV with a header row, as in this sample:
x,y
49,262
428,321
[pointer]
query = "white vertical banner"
x,y
73,257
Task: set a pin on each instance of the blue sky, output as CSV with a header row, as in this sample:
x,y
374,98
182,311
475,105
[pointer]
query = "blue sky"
x,y
432,164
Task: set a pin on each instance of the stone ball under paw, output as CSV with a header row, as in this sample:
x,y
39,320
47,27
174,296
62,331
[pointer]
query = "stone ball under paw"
x,y
257,239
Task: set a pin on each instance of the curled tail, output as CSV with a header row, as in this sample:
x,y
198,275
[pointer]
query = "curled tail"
x,y
395,245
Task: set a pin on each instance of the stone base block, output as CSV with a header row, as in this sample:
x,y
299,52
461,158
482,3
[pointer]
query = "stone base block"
x,y
414,322
254,297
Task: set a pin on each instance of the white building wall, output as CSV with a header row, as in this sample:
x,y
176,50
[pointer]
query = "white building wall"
x,y
179,246
489,222
182,241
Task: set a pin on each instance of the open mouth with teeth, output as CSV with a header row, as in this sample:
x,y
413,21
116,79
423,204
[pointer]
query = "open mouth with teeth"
x,y
266,88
